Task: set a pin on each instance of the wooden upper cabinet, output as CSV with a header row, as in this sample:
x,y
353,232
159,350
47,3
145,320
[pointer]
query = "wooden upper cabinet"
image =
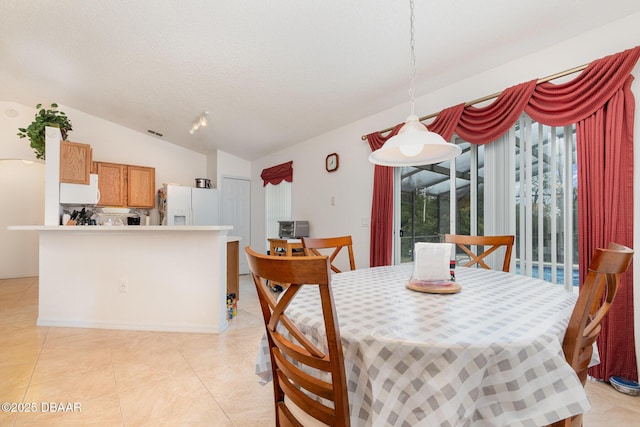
x,y
112,183
75,162
141,185
126,185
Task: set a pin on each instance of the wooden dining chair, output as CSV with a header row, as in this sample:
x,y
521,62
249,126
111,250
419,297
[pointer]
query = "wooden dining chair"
x,y
309,382
314,246
495,242
594,301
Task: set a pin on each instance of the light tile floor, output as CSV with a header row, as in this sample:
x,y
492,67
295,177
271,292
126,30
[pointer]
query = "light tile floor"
x,y
131,378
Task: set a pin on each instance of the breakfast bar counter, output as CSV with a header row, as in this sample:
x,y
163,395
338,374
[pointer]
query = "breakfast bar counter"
x,y
158,278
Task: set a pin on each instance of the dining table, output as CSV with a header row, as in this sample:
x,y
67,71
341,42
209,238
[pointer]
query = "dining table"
x,y
488,355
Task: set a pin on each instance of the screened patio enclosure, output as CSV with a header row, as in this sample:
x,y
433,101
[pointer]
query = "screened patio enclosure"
x,y
524,184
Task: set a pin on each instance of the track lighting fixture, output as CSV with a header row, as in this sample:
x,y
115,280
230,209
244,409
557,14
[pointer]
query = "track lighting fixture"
x,y
201,121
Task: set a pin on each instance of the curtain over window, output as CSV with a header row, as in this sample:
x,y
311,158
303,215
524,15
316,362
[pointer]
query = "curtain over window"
x,y
277,182
600,102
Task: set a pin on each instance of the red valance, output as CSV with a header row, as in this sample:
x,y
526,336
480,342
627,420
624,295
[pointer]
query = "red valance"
x,y
486,124
563,104
447,121
278,173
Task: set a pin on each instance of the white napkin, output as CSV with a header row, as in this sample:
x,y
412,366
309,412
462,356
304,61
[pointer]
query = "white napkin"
x,y
431,261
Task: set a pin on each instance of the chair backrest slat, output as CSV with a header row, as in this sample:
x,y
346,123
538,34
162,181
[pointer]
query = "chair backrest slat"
x,y
495,242
314,245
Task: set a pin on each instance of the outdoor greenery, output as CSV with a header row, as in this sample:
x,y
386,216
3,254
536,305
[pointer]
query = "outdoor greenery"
x,y
422,220
36,130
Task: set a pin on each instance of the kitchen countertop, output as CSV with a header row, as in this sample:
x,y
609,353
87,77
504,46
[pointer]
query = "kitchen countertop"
x,y
132,228
126,228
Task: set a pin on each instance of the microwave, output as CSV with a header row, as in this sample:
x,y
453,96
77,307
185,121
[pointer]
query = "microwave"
x,y
293,229
80,194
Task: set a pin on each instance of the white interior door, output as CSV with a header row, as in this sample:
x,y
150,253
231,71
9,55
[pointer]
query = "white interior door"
x,y
235,209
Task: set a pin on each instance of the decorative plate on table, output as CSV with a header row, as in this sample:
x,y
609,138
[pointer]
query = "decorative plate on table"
x,y
434,286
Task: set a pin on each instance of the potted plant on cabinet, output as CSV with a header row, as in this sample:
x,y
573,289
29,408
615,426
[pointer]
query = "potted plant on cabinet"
x,y
36,130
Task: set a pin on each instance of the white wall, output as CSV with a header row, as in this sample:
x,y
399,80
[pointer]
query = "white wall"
x,y
313,187
230,165
212,163
21,203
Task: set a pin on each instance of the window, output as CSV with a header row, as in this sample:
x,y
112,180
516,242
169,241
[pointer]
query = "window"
x,y
277,207
531,192
546,201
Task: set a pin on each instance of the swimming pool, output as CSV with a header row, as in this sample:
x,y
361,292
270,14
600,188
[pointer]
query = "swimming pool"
x,y
559,274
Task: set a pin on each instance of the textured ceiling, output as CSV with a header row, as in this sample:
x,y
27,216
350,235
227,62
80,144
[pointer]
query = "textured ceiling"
x,y
270,73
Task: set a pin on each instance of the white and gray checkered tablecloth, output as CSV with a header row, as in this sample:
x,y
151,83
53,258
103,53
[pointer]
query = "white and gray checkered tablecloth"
x,y
489,355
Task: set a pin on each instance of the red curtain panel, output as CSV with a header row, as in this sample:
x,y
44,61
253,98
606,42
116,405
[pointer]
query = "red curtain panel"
x,y
381,237
601,104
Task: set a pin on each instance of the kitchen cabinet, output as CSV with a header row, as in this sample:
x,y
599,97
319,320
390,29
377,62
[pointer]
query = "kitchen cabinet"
x,y
141,187
75,162
125,185
112,180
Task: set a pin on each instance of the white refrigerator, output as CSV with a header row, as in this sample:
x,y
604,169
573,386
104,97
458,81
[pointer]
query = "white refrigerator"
x,y
181,205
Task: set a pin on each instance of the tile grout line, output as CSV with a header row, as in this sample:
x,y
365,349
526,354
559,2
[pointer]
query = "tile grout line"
x,y
41,347
115,380
205,386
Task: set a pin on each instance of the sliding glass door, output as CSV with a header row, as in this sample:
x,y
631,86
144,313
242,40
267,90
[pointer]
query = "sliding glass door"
x,y
430,194
523,184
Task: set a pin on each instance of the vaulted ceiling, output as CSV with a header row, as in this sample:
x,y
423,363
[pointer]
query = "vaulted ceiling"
x,y
269,73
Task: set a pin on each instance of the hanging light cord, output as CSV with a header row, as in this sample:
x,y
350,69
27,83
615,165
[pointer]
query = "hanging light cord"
x,y
412,80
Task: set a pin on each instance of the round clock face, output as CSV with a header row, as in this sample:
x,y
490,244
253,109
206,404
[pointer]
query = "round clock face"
x,y
331,163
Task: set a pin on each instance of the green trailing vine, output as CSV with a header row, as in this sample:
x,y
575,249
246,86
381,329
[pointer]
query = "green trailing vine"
x,y
36,130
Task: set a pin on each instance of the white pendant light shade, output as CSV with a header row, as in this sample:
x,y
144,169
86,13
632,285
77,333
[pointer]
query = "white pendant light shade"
x,y
414,145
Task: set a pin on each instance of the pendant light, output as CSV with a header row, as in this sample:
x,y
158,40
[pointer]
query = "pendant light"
x,y
414,144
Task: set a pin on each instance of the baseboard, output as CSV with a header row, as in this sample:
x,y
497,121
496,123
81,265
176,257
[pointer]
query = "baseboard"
x,y
201,329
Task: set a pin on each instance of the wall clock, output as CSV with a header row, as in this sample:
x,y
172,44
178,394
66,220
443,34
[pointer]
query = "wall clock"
x,y
332,162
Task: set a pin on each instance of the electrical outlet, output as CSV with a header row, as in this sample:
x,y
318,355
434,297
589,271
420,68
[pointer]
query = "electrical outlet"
x,y
124,285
